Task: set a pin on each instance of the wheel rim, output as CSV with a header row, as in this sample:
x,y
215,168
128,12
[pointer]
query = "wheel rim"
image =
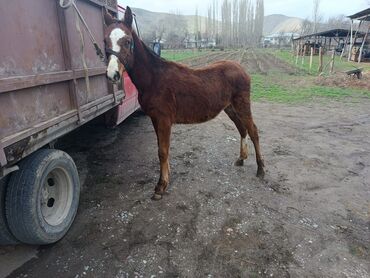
x,y
56,196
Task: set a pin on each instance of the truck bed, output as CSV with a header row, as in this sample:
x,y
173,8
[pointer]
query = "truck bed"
x,y
51,80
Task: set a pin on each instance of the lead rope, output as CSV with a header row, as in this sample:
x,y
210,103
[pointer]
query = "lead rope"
x,y
82,50
65,4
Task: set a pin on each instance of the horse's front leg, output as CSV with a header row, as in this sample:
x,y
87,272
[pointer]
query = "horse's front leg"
x,y
163,130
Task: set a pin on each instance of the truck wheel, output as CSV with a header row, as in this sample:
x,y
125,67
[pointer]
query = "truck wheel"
x,y
42,197
6,237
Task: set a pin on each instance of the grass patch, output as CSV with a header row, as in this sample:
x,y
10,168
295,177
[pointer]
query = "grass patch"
x,y
285,88
179,55
339,66
297,89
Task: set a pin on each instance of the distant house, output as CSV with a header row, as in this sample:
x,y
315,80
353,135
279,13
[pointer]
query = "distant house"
x,y
190,42
279,39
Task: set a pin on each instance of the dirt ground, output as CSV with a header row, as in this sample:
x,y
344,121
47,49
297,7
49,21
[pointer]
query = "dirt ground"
x,y
309,216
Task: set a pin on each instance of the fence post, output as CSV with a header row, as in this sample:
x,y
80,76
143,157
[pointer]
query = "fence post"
x,y
332,61
320,60
311,58
364,39
303,54
298,49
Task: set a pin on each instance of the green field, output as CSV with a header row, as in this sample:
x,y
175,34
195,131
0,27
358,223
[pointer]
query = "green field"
x,y
298,86
339,65
302,88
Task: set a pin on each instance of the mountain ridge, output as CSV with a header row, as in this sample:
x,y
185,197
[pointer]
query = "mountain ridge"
x,y
274,23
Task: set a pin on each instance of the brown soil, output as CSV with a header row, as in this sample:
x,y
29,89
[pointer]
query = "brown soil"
x,y
252,60
309,217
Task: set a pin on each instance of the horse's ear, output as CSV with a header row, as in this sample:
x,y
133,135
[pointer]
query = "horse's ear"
x,y
127,20
108,19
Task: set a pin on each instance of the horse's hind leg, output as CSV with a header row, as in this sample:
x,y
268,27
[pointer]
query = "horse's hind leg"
x,y
242,108
253,133
163,130
243,134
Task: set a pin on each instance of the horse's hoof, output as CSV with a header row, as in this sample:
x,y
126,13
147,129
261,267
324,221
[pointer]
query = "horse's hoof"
x,y
156,197
239,162
260,173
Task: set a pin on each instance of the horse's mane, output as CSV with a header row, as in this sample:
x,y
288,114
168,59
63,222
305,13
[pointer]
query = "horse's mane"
x,y
154,58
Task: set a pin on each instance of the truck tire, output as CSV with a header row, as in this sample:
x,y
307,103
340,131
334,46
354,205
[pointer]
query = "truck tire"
x,y
42,197
6,237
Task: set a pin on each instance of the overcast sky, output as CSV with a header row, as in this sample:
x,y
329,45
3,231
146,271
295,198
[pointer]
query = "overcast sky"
x,y
297,8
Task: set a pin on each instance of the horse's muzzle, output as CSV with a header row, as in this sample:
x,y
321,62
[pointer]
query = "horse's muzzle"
x,y
115,78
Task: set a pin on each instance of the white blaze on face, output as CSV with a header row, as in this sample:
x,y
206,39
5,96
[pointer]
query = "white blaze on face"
x,y
114,36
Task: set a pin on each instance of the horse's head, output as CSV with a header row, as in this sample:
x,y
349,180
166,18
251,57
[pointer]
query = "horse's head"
x,y
119,44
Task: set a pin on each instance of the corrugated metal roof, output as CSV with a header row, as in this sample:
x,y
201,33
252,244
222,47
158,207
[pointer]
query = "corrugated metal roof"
x,y
363,15
334,33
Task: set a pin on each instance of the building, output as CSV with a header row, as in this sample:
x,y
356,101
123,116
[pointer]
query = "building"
x,y
279,39
359,49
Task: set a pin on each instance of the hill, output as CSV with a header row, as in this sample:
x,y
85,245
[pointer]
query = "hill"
x,y
275,23
147,20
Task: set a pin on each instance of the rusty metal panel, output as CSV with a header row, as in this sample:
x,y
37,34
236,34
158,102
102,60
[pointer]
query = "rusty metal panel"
x,y
25,108
98,88
94,19
43,89
30,35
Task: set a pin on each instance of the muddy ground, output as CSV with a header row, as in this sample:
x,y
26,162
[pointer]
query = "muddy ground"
x,y
309,217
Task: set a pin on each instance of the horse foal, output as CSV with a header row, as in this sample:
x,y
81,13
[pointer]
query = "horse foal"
x,y
171,93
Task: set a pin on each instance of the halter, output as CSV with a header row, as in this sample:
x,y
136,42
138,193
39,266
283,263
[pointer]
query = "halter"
x,y
119,56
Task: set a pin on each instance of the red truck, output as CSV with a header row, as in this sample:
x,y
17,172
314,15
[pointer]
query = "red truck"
x,y
51,82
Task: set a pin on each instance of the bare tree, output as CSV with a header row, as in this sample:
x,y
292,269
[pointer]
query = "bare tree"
x,y
316,16
176,29
226,23
250,23
209,23
215,17
340,21
156,32
235,22
196,27
243,22
258,22
306,27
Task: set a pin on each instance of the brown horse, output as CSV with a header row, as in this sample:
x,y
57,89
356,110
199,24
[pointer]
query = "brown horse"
x,y
173,93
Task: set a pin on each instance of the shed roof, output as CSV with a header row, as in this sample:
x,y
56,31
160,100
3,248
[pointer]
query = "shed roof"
x,y
334,33
363,15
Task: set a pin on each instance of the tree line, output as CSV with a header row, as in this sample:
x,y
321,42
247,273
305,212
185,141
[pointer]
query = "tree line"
x,y
228,23
233,22
318,24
